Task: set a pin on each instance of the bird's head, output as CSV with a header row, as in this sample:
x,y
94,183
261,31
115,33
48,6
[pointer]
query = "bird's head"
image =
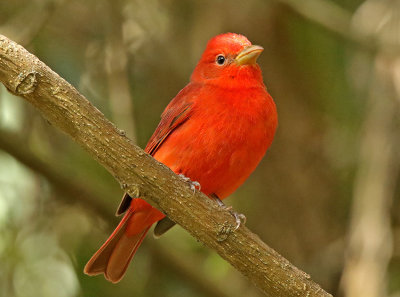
x,y
229,60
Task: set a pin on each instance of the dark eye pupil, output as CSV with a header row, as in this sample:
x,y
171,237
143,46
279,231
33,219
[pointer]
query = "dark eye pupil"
x,y
220,59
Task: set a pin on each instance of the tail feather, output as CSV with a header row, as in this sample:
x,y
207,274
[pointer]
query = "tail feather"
x,y
98,263
114,256
163,226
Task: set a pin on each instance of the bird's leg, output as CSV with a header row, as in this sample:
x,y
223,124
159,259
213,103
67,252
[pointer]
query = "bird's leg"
x,y
193,184
239,217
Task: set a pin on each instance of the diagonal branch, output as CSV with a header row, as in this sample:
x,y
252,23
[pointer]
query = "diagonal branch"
x,y
72,190
83,193
324,13
335,19
139,174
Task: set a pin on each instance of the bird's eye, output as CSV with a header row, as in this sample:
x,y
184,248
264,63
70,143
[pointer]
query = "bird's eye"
x,y
220,60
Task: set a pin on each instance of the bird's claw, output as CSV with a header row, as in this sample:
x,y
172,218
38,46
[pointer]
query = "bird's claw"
x,y
239,217
193,184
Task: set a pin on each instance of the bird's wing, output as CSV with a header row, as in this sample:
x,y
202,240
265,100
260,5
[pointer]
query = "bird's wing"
x,y
175,114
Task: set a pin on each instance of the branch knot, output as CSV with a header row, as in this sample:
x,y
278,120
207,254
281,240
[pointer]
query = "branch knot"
x,y
26,83
224,230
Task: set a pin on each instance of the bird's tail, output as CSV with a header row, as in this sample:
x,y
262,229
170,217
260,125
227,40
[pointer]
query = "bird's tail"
x,y
115,254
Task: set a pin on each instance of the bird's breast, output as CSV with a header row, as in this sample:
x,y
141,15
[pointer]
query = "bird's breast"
x,y
223,140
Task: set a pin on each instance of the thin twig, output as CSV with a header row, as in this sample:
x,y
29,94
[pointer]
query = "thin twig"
x,y
73,190
337,20
116,62
27,23
370,236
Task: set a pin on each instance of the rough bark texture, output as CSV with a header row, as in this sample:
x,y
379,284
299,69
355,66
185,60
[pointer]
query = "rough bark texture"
x,y
140,175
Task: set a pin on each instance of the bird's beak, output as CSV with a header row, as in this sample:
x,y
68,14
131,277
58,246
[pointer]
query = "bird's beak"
x,y
249,55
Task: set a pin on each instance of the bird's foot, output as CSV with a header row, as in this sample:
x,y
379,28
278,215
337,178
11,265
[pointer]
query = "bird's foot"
x,y
239,217
193,184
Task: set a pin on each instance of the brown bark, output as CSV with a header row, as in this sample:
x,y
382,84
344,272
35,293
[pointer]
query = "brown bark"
x,y
140,175
72,190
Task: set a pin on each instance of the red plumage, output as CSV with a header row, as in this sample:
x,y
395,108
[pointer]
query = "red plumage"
x,y
215,131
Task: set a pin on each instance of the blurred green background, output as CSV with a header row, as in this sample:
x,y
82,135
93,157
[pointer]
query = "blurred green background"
x,y
326,196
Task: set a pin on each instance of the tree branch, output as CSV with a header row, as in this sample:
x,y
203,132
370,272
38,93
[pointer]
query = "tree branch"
x,y
335,19
324,13
369,248
83,193
72,190
140,175
116,63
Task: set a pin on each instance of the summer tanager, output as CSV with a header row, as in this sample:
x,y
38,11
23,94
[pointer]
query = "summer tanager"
x,y
215,132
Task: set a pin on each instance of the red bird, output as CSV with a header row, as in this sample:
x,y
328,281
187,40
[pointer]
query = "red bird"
x,y
215,132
